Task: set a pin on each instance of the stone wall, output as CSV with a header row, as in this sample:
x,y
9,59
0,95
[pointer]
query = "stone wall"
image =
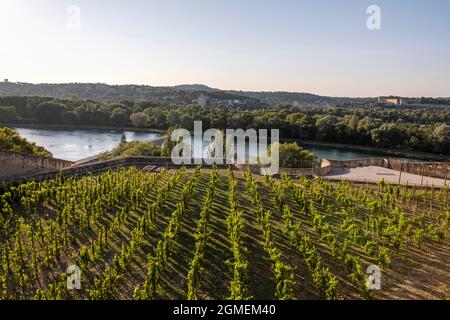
x,y
24,168
102,166
18,164
323,170
380,162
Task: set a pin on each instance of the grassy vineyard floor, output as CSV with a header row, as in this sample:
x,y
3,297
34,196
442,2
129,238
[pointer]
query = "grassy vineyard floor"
x,y
106,223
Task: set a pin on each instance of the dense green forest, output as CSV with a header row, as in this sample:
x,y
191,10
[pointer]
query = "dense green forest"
x,y
406,128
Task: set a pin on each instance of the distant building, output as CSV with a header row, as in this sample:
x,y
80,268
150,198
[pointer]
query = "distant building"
x,y
202,100
6,80
391,100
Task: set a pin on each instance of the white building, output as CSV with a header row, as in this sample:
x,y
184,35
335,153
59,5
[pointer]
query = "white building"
x,y
391,100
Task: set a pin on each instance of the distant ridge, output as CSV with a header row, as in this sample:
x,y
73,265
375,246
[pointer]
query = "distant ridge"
x,y
194,87
102,91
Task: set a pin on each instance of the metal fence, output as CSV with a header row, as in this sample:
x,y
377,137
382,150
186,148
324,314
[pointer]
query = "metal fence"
x,y
430,169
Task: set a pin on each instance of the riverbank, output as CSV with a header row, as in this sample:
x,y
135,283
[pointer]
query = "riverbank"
x,y
415,155
80,127
334,151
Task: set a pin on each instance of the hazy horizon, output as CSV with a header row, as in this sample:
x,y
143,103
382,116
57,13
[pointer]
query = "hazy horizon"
x,y
317,47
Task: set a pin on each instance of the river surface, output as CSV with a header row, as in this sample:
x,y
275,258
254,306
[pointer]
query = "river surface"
x,y
76,144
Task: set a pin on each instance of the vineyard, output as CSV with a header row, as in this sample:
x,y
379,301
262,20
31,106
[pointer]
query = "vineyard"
x,y
221,234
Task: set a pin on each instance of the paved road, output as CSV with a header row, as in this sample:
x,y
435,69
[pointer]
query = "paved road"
x,y
375,174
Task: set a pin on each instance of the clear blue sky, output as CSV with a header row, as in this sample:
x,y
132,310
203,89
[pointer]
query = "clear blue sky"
x,y
317,46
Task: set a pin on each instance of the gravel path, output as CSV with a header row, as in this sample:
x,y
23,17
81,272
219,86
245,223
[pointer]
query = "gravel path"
x,y
375,174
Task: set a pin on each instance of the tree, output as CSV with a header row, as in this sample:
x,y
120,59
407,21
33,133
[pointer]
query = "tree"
x,y
291,155
133,149
11,140
156,118
364,127
168,143
300,125
388,135
50,112
441,137
138,119
93,114
8,113
70,118
103,115
326,130
81,113
173,117
119,117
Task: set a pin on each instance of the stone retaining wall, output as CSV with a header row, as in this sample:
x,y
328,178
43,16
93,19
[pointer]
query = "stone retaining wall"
x,y
21,168
321,171
101,166
380,162
14,164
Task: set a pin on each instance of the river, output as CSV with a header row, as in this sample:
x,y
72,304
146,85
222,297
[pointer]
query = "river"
x,y
76,144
